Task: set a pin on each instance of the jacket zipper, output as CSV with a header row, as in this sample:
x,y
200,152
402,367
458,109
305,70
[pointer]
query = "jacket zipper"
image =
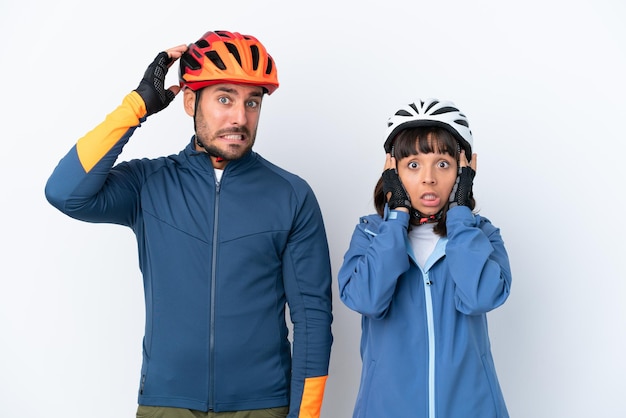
x,y
212,298
430,325
431,344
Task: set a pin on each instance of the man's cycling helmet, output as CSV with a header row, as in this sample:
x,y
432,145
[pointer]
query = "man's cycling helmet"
x,y
431,112
227,57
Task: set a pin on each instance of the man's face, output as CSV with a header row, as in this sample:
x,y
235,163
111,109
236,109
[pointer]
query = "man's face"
x,y
227,116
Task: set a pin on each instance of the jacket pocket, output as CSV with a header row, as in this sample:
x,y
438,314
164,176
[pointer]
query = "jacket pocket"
x,y
494,386
364,391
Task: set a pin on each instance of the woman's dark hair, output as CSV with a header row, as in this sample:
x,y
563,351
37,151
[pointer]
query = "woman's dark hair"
x,y
421,140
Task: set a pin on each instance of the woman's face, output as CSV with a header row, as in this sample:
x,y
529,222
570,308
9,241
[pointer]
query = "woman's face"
x,y
428,179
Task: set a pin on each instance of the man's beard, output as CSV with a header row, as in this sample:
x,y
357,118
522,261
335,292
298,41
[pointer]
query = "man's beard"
x,y
237,151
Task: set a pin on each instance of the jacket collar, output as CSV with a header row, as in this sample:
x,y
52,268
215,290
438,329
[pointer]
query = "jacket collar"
x,y
201,161
438,252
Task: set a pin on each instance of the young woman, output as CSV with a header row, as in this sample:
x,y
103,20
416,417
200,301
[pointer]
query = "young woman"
x,y
423,272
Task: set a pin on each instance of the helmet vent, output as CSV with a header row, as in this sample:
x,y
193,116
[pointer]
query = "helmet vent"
x,y
462,122
254,50
270,66
187,61
447,109
223,33
433,103
216,60
233,50
197,54
202,43
414,108
403,112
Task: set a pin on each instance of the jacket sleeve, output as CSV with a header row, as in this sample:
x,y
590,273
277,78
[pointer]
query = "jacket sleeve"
x,y
372,265
83,185
308,280
478,262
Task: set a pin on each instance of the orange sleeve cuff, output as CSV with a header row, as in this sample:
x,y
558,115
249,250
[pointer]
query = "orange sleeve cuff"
x,y
312,397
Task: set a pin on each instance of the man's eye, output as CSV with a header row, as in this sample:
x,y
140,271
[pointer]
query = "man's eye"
x,y
223,100
253,104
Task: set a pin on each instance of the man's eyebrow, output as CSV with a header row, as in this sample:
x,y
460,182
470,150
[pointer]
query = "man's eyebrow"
x,y
258,93
226,89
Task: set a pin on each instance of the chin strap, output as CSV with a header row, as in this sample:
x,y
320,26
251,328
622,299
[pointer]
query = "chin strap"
x,y
200,144
423,219
218,159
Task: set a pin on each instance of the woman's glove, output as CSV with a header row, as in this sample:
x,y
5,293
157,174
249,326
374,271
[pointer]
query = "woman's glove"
x,y
392,184
462,190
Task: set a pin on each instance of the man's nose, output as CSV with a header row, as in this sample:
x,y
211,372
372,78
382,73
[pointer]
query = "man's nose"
x,y
238,115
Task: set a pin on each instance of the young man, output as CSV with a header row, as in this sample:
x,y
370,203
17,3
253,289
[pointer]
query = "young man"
x,y
226,240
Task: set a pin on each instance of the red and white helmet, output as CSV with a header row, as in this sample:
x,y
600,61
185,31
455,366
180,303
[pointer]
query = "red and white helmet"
x,y
431,112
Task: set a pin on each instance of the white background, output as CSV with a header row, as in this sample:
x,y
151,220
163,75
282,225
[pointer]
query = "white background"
x,y
543,85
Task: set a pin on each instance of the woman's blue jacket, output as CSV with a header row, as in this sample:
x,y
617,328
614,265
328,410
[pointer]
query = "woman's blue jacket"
x,y
425,347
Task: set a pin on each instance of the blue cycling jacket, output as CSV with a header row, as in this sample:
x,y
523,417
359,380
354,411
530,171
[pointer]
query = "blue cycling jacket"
x,y
219,263
425,347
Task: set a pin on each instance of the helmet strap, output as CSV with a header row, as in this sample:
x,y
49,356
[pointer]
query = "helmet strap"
x,y
195,112
200,144
195,107
426,218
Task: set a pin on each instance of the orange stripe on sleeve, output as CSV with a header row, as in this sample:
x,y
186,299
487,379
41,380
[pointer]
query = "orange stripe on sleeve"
x,y
97,142
312,397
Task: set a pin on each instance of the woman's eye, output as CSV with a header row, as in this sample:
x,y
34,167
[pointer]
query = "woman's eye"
x,y
444,164
413,164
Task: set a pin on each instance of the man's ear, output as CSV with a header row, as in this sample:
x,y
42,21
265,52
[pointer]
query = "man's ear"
x,y
189,101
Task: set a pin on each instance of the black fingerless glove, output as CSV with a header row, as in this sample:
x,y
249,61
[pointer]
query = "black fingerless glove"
x,y
462,190
391,183
152,86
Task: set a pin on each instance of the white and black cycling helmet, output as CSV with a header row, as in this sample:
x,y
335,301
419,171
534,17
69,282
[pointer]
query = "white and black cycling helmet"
x,y
431,112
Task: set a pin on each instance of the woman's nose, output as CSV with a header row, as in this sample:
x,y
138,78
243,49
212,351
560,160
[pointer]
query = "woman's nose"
x,y
428,176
